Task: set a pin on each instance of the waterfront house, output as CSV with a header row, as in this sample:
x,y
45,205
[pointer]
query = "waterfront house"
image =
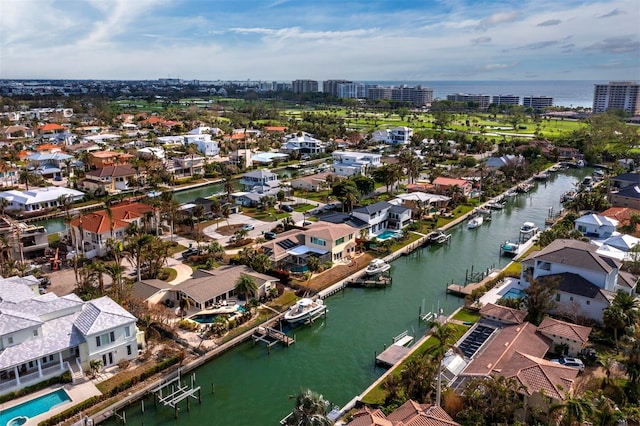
x,y
204,144
623,216
259,180
409,413
38,200
110,179
500,344
208,288
383,215
49,164
24,240
587,281
421,202
350,163
596,226
43,336
316,182
328,242
624,180
90,232
186,166
444,185
504,161
400,135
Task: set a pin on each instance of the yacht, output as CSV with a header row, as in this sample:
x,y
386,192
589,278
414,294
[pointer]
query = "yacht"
x,y
377,266
528,228
304,310
438,237
509,248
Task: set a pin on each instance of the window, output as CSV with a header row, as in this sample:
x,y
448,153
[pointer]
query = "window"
x,y
10,340
30,364
50,357
98,343
318,241
557,297
340,241
588,302
127,332
35,333
128,349
44,360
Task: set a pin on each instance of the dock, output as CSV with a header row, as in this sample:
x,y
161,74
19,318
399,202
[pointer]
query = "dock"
x,y
396,351
379,281
466,290
175,392
271,336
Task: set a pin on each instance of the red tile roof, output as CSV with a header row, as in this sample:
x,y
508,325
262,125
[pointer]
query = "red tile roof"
x,y
503,313
98,222
275,128
539,375
50,127
445,181
551,326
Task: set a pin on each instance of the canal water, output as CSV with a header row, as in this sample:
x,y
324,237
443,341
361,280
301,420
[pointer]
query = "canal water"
x,y
335,356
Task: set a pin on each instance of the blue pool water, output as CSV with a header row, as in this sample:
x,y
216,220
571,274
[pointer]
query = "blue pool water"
x,y
34,407
513,293
386,235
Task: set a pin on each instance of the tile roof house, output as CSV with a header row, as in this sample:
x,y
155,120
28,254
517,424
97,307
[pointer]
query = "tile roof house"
x,y
444,184
43,336
110,179
587,280
410,414
313,183
572,337
100,159
90,232
622,215
502,314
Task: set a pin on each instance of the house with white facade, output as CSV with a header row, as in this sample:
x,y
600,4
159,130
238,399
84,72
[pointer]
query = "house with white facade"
x,y
400,135
44,336
204,143
259,180
596,226
587,281
381,216
351,163
304,144
38,199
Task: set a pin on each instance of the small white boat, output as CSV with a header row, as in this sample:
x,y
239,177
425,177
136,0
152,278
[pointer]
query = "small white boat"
x,y
377,266
510,193
305,309
509,249
483,210
475,222
541,176
528,228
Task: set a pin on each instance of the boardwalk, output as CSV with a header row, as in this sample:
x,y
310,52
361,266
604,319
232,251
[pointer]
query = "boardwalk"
x,y
465,290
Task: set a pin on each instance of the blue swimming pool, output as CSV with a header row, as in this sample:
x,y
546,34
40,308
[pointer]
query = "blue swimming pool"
x,y
34,407
514,293
386,235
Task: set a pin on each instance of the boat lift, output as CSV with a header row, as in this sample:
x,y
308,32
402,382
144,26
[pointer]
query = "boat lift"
x,y
177,392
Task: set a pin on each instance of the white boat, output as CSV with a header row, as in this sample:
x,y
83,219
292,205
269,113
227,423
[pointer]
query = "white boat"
x,y
377,266
475,222
305,309
509,249
510,193
528,228
438,237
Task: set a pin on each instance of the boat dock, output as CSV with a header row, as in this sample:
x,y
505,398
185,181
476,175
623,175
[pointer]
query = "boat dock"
x,y
465,290
271,336
177,392
396,351
379,281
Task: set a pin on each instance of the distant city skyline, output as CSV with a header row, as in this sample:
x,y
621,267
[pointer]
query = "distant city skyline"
x,y
284,40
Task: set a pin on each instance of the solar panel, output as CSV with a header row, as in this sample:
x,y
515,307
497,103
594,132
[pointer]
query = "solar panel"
x,y
470,345
286,244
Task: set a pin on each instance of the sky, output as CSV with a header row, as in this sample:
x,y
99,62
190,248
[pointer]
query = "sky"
x,y
282,40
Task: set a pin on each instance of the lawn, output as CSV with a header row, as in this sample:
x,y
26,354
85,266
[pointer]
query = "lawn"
x,y
269,215
172,274
512,269
466,316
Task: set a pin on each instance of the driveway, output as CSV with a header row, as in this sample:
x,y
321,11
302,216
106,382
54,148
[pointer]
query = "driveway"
x,y
260,227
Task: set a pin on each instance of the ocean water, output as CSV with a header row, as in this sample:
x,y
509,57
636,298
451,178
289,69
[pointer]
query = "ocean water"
x,y
568,93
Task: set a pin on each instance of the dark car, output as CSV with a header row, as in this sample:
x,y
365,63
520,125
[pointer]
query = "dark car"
x,y
286,208
270,235
190,252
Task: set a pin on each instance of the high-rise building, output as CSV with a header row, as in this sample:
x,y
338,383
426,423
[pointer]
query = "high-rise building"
x,y
505,100
483,101
331,86
305,86
379,92
623,95
416,96
538,103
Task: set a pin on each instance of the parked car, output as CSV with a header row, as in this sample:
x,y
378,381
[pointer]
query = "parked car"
x,y
570,362
286,208
270,235
58,178
248,227
190,252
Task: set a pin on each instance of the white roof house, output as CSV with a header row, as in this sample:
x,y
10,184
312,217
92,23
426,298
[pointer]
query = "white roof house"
x,y
622,242
43,336
349,163
595,225
38,198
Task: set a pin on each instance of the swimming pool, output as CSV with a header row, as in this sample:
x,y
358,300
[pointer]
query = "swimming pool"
x,y
386,235
513,293
35,406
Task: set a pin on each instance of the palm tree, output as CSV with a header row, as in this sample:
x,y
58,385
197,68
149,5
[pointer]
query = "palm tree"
x,y
115,271
573,410
98,268
261,263
615,319
310,409
445,338
247,286
25,177
226,212
228,185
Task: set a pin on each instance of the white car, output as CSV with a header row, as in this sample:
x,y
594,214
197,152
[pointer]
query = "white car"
x,y
570,362
248,227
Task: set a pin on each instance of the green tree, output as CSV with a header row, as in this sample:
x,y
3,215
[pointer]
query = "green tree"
x,y
310,409
574,409
614,318
539,298
490,400
246,285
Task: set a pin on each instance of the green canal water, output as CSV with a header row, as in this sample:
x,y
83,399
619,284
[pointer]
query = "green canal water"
x,y
335,355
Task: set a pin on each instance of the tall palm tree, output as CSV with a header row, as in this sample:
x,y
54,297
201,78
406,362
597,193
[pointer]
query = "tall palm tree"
x,y
246,285
615,319
228,186
115,271
444,335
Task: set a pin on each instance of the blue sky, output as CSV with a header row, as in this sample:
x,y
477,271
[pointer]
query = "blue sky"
x,y
285,40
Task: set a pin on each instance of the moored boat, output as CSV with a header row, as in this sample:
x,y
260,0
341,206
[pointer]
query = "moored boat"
x,y
475,222
438,237
509,248
305,309
377,266
528,228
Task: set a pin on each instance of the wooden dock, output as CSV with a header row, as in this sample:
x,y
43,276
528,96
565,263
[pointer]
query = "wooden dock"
x,y
175,392
271,336
379,281
465,290
396,351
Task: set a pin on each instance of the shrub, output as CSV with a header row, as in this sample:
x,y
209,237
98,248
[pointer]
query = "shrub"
x,y
187,325
63,378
